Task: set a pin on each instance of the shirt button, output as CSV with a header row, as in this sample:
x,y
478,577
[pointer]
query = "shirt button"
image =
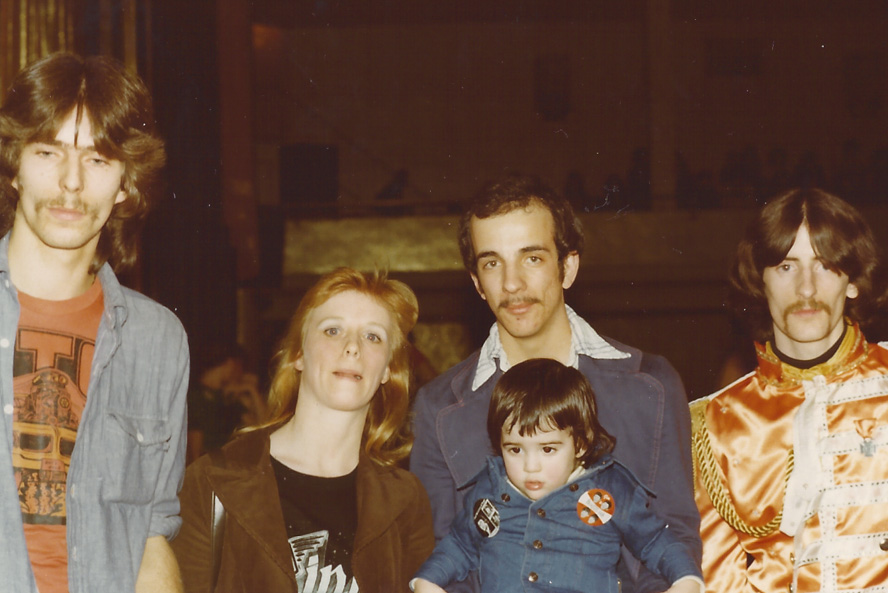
x,y
506,497
573,487
883,545
532,577
541,513
4,342
139,437
537,544
7,409
73,491
74,552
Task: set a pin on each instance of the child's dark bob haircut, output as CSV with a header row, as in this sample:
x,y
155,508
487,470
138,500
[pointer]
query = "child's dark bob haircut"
x,y
543,394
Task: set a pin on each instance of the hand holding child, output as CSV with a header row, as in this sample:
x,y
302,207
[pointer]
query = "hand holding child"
x,y
424,586
685,586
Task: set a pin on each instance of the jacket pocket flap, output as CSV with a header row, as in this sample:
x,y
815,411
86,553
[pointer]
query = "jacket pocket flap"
x,y
145,431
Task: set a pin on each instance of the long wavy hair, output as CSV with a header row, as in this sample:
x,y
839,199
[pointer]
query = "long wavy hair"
x,y
542,394
43,96
386,439
841,238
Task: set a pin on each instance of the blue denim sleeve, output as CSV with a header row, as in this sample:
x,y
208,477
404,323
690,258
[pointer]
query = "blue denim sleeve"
x,y
654,542
456,555
165,519
673,481
428,464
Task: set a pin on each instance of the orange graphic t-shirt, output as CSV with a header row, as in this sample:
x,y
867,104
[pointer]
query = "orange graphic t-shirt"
x,y
53,355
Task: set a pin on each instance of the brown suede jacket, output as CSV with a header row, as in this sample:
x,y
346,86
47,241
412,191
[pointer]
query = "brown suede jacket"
x,y
394,533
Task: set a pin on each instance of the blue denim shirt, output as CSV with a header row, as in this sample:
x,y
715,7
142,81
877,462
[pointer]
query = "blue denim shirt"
x,y
129,456
641,402
556,543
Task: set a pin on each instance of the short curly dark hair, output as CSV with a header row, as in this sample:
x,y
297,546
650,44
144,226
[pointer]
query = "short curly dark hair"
x,y
541,393
119,107
840,236
521,191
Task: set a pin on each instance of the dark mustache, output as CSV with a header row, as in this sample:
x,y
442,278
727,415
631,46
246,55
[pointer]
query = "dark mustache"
x,y
808,306
505,303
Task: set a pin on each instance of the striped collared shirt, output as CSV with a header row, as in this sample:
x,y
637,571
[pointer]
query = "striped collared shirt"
x,y
583,340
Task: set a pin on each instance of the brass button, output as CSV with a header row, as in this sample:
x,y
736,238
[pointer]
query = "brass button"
x,y
792,557
573,487
541,513
883,545
537,544
532,577
506,497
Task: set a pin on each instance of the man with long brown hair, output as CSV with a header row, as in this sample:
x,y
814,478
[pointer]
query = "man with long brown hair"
x,y
792,459
94,375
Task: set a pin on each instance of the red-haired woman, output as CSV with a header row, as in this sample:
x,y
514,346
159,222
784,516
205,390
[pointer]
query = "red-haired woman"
x,y
313,500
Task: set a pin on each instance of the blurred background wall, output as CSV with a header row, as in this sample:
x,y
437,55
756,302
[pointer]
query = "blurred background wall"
x,y
309,134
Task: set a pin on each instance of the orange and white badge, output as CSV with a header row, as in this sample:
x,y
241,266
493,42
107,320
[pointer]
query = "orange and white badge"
x,y
596,507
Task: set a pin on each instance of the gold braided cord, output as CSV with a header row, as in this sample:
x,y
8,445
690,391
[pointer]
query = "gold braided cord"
x,y
721,500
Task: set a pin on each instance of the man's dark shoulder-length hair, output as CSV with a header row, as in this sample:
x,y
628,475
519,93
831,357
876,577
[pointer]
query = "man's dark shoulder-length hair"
x,y
841,239
118,106
521,191
543,394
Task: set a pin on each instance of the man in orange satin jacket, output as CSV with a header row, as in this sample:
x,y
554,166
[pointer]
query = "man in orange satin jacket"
x,y
791,460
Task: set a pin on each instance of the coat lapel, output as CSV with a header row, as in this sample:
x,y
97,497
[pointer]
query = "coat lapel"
x,y
248,490
380,501
462,426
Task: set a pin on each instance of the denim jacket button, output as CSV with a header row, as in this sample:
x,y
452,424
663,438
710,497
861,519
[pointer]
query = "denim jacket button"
x,y
532,577
541,513
506,497
573,487
538,545
883,545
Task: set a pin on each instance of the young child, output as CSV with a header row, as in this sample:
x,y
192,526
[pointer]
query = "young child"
x,y
552,507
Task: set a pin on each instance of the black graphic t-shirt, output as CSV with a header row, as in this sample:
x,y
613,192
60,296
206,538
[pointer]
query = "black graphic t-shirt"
x,y
321,515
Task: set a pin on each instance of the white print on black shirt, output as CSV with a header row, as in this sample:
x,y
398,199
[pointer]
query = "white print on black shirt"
x,y
312,575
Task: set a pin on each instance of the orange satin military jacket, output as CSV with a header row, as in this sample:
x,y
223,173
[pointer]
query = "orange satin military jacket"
x,y
791,475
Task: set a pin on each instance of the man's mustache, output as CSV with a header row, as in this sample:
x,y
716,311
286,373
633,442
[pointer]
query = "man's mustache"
x,y
519,301
65,203
810,305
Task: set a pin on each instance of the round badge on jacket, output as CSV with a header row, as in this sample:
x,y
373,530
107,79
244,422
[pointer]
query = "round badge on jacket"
x,y
596,507
486,517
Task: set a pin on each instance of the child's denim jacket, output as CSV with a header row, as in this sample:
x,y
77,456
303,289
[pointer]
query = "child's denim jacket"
x,y
567,541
